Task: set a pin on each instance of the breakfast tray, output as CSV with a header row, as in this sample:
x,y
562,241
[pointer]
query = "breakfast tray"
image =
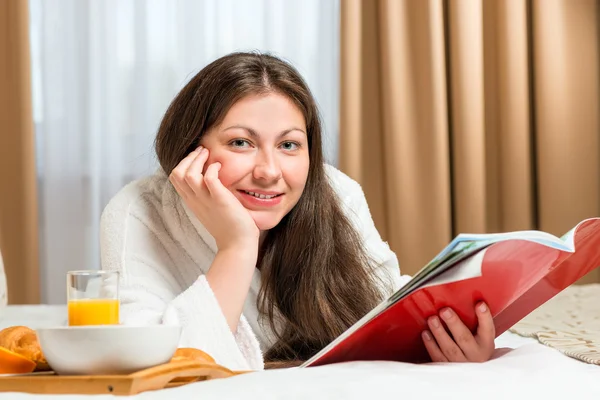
x,y
163,376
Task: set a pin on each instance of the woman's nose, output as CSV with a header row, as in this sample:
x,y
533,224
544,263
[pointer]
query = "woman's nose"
x,y
267,168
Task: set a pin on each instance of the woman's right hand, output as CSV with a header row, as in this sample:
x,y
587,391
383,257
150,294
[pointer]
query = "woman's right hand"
x,y
214,205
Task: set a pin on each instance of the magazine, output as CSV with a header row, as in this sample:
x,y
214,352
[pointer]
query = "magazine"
x,y
514,273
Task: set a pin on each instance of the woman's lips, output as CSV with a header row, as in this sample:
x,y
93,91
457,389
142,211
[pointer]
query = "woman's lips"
x,y
254,201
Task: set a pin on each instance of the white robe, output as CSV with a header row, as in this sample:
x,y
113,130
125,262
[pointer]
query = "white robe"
x,y
163,252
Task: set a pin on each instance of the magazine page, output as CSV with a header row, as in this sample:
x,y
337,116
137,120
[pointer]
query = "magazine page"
x,y
461,250
465,244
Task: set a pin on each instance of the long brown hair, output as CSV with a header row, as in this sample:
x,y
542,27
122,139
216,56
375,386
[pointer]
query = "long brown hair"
x,y
317,279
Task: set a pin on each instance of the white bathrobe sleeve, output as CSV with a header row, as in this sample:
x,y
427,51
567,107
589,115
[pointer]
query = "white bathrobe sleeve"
x,y
149,292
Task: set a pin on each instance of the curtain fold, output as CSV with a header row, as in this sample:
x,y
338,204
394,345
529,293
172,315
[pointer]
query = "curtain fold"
x,y
410,206
461,116
18,193
508,119
566,97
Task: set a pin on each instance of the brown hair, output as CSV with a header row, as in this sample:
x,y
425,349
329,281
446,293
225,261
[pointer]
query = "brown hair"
x,y
316,277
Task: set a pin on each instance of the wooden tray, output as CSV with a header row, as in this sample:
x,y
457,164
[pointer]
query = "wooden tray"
x,y
162,376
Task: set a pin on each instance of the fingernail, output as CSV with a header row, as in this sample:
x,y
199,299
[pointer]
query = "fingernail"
x,y
482,307
446,313
203,150
426,335
435,322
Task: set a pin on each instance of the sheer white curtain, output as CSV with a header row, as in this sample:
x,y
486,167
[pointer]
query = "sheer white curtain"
x,y
103,75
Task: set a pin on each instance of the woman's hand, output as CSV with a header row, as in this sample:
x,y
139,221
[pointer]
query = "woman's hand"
x,y
462,346
214,205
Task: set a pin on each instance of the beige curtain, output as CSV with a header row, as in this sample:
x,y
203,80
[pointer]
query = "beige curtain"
x,y
469,116
18,198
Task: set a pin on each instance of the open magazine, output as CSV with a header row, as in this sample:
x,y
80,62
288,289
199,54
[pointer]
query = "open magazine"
x,y
514,273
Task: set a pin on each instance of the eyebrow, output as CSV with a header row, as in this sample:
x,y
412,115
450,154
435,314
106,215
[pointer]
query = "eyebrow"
x,y
254,134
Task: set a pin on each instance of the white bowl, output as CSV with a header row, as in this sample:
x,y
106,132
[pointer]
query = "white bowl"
x,y
107,349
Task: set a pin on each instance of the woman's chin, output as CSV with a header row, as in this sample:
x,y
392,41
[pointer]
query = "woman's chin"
x,y
265,226
265,222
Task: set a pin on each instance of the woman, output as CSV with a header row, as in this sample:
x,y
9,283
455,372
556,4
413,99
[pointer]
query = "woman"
x,y
245,237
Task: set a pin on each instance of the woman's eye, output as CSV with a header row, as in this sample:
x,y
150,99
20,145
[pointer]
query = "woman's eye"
x,y
240,143
289,145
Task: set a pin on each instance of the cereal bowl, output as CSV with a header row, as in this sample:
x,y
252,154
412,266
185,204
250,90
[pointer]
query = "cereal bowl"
x,y
107,349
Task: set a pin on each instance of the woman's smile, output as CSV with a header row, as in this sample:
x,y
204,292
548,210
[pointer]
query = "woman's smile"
x,y
252,199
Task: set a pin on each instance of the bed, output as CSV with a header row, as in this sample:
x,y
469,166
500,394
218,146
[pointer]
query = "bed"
x,y
532,361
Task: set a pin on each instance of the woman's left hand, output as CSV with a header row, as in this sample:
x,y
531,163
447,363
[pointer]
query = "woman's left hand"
x,y
462,346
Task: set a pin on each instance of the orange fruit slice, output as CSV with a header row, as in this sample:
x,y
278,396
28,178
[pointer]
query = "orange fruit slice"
x,y
13,363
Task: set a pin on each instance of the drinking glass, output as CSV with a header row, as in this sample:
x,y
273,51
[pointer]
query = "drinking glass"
x,y
93,297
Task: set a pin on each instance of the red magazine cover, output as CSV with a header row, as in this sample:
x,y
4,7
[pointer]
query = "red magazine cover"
x,y
514,273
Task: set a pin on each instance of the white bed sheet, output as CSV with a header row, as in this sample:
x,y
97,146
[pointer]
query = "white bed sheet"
x,y
526,370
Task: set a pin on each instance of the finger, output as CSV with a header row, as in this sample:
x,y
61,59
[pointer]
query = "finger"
x,y
178,173
211,178
177,176
181,168
193,176
461,334
486,330
444,341
432,348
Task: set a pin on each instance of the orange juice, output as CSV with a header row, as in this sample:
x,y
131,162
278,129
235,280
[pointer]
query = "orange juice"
x,y
93,312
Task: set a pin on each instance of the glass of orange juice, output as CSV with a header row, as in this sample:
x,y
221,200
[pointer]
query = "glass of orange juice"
x,y
93,297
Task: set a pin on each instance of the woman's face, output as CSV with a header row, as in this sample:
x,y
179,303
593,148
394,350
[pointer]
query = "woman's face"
x,y
263,150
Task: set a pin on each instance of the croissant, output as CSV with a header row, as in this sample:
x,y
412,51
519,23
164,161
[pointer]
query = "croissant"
x,y
23,340
188,353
